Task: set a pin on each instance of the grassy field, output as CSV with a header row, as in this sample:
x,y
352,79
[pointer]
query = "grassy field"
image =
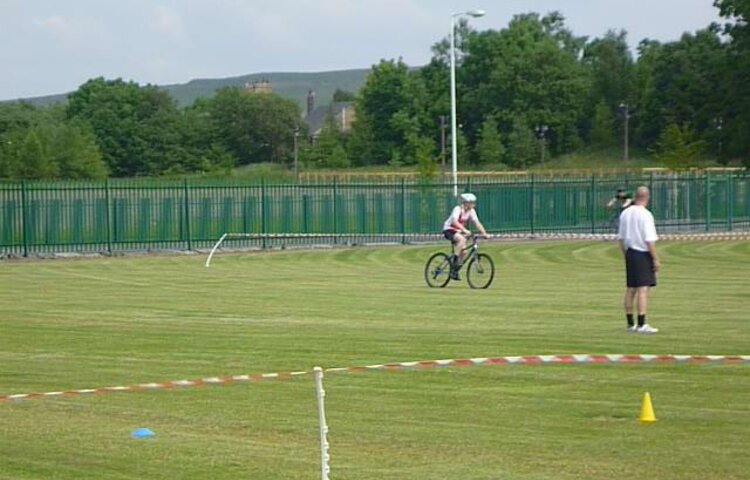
x,y
100,322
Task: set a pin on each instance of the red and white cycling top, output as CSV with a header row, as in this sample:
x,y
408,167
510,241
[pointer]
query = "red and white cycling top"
x,y
460,216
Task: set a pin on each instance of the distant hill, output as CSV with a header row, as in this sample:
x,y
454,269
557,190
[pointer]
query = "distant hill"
x,y
292,85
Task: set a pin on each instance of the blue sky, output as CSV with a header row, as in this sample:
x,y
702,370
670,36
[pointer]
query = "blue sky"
x,y
53,46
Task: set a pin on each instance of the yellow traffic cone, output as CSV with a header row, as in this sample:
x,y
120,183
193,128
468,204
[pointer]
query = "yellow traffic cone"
x,y
647,410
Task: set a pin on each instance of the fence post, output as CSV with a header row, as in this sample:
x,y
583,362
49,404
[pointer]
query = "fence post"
x,y
651,182
335,213
108,219
730,200
188,233
531,203
403,211
24,219
592,197
707,198
263,208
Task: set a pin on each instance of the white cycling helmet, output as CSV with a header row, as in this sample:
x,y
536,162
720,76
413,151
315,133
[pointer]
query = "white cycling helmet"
x,y
468,198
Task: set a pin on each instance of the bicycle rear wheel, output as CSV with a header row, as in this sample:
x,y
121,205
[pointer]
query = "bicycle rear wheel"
x,y
437,270
480,271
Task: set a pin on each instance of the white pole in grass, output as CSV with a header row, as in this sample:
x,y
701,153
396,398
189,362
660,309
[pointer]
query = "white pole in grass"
x,y
324,457
213,250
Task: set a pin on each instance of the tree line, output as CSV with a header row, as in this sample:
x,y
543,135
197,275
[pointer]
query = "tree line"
x,y
121,129
682,100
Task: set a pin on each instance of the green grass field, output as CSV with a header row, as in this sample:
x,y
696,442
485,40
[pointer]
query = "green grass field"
x,y
100,322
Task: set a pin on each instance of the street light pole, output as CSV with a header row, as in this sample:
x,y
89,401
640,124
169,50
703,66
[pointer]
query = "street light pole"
x,y
719,125
626,115
454,140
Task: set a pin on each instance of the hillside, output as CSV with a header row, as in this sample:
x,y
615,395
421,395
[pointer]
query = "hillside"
x,y
293,85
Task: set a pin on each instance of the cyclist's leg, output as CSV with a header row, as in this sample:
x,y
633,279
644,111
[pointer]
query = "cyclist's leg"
x,y
459,243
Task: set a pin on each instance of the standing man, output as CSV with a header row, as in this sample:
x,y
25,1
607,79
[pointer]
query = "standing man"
x,y
637,236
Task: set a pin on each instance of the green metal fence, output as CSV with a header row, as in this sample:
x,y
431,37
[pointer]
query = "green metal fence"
x,y
38,217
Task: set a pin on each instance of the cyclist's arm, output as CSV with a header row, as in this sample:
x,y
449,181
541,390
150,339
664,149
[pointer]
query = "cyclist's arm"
x,y
460,228
481,229
479,225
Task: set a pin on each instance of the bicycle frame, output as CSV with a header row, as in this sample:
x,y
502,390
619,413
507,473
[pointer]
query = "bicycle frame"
x,y
473,249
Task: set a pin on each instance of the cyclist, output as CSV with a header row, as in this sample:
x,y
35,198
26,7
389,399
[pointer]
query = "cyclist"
x,y
455,229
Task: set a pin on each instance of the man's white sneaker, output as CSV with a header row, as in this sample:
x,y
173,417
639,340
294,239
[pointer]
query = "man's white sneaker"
x,y
646,328
632,329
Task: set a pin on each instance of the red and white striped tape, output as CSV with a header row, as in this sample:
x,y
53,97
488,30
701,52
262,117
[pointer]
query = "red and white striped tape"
x,y
424,364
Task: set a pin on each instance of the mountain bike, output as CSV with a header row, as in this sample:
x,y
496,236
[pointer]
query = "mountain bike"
x,y
480,270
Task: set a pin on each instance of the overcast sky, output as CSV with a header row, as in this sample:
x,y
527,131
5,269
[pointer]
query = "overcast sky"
x,y
53,46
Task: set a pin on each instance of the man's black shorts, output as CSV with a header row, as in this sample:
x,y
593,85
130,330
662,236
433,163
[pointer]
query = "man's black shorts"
x,y
639,269
449,234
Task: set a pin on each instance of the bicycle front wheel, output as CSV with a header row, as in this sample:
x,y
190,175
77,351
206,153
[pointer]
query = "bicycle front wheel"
x,y
437,271
480,272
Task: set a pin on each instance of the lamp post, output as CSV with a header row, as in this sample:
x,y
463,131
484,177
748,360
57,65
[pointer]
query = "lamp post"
x,y
541,132
454,143
626,113
719,126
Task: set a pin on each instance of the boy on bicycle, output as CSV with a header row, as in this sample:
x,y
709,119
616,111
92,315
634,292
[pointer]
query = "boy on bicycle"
x,y
454,229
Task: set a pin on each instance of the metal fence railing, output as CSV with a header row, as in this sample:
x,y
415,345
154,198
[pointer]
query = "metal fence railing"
x,y
118,215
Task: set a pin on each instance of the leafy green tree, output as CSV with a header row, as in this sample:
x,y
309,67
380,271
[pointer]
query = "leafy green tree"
x,y
255,128
490,149
530,69
202,141
391,114
611,67
735,114
339,158
522,145
50,149
34,160
343,96
328,150
19,115
110,107
382,96
684,85
138,128
677,147
602,133
74,150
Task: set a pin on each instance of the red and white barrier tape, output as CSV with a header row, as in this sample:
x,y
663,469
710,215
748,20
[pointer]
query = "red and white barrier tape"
x,y
425,364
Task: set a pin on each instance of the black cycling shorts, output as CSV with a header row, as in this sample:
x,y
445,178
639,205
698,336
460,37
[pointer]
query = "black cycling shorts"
x,y
449,234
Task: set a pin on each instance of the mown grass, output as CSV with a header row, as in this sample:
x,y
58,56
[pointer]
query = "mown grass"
x,y
91,323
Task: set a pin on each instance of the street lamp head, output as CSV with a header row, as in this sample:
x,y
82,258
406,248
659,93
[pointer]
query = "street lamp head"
x,y
470,13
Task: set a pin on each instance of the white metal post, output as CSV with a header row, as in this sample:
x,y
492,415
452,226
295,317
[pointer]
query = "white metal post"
x,y
454,144
323,426
454,139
